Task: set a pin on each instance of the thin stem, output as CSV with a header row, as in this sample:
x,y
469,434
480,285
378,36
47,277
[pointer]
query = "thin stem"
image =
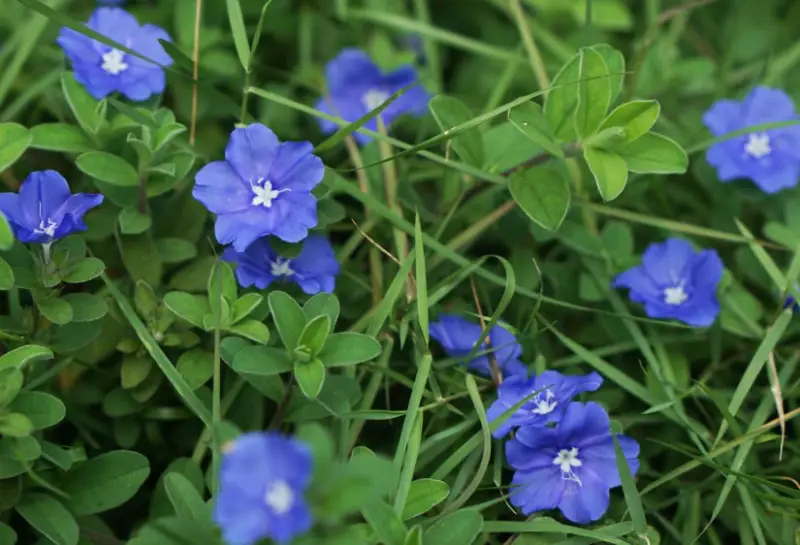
x,y
196,61
530,45
280,412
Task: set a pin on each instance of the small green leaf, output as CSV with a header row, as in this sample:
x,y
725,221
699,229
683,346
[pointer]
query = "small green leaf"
x,y
414,536
615,61
43,410
11,380
14,140
455,529
192,308
261,361
310,377
529,118
145,299
636,117
322,303
107,168
244,305
86,307
424,495
6,235
61,137
133,222
20,357
654,153
288,317
6,275
236,20
253,330
134,371
227,282
314,334
187,502
105,482
15,425
7,534
349,349
49,517
609,170
86,109
141,259
56,310
175,250
196,366
543,193
386,525
84,270
594,92
449,113
562,99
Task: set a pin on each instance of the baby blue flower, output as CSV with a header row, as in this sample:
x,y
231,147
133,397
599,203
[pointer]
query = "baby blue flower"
x,y
571,466
675,282
357,86
458,336
45,210
553,391
770,158
263,187
314,269
261,483
103,70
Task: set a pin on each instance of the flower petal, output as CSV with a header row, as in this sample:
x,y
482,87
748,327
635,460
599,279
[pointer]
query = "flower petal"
x,y
251,150
41,195
296,168
537,490
585,502
221,190
723,117
351,66
666,262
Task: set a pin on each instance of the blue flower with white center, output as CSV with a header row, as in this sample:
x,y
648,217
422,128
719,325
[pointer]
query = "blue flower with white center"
x,y
262,481
570,467
103,70
458,336
676,282
553,392
263,187
356,86
769,158
314,269
45,210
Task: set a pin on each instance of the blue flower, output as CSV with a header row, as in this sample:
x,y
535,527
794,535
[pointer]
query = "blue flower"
x,y
555,391
45,210
770,158
263,187
458,336
314,269
261,483
675,282
103,70
357,86
571,466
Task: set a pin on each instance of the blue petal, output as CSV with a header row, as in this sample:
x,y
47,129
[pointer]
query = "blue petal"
x,y
41,195
315,257
639,283
723,117
775,181
243,519
327,127
298,520
765,105
296,168
600,459
351,69
538,489
666,262
147,43
251,150
115,23
243,228
586,502
706,271
296,213
514,368
701,313
9,206
720,157
76,207
221,190
504,344
456,335
253,266
583,424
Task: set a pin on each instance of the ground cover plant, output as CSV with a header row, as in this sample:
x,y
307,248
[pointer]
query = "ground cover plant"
x,y
443,272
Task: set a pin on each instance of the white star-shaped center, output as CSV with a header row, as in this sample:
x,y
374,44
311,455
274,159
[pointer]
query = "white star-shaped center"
x,y
114,62
263,193
279,497
758,145
373,98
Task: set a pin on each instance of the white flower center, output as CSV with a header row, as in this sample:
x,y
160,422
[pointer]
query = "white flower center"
x,y
281,267
49,229
758,145
114,62
546,405
675,295
263,193
279,497
566,460
373,98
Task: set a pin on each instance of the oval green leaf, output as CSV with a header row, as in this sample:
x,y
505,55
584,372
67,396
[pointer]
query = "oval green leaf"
x,y
105,482
635,117
543,193
654,153
349,348
424,495
107,168
14,140
609,170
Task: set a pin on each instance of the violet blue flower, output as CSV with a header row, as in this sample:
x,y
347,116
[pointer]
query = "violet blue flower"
x,y
458,336
261,483
555,391
314,269
356,86
769,158
44,210
676,282
571,466
102,69
263,187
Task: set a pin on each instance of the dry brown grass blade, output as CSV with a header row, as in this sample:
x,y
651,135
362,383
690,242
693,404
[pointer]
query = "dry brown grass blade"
x,y
777,395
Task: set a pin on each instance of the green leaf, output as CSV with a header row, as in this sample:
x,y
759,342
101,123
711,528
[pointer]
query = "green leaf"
x,y
6,275
654,153
84,270
238,30
457,528
145,299
11,380
632,498
261,361
86,307
49,517
288,317
615,61
594,92
196,366
562,100
609,170
134,371
322,303
133,222
107,168
20,357
7,534
388,527
14,140
636,117
43,410
56,310
253,330
192,308
227,282
6,235
175,250
15,425
86,109
314,334
349,349
543,193
187,502
310,377
61,137
414,536
16,454
424,495
529,118
244,305
105,482
450,112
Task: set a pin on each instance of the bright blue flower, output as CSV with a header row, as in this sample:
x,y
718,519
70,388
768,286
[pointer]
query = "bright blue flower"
x,y
555,391
103,70
675,282
314,269
356,86
458,336
571,466
770,158
261,483
263,187
45,210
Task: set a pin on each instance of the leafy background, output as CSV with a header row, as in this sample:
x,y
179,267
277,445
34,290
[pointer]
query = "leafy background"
x,y
119,387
